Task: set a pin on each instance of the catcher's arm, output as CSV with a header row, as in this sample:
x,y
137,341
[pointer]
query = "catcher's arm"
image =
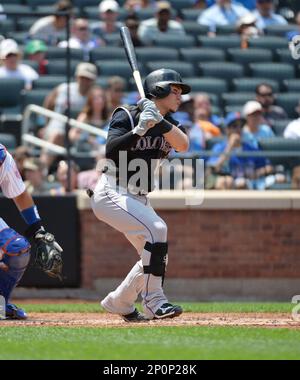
x,y
48,252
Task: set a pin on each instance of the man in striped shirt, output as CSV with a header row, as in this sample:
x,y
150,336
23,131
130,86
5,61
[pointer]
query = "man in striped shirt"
x,y
14,248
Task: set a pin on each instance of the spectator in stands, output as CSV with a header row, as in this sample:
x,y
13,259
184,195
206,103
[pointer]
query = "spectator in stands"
x,y
265,96
160,25
266,16
81,38
136,5
35,177
36,51
62,178
12,67
86,74
95,114
115,93
226,170
79,180
246,27
292,131
224,12
132,23
255,127
203,114
51,28
108,24
296,32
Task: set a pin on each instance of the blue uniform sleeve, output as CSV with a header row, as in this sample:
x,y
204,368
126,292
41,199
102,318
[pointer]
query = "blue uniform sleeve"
x,y
3,154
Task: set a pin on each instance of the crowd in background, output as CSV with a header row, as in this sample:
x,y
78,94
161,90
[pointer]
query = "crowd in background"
x,y
235,132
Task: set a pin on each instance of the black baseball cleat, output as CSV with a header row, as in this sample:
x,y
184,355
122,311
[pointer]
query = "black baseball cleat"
x,y
135,316
167,310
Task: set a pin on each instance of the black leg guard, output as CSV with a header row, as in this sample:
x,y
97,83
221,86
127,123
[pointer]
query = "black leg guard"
x,y
158,260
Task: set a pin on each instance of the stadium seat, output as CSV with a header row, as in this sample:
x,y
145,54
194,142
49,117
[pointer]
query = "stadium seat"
x,y
145,13
226,29
115,67
195,29
288,101
35,97
210,85
48,81
54,52
10,93
280,145
268,42
107,52
19,37
17,8
221,42
25,23
279,126
237,98
280,71
91,13
175,41
250,84
9,141
11,124
181,4
6,26
280,30
191,14
85,3
285,56
34,3
32,64
59,67
113,39
236,108
246,56
197,55
223,70
291,85
184,68
146,54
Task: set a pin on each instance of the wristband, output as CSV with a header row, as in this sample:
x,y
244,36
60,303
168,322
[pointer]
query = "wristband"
x,y
31,215
165,126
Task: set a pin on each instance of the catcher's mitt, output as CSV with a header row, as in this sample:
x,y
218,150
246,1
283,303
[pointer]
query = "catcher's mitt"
x,y
48,254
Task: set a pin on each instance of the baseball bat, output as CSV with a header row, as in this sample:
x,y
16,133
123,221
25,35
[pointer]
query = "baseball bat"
x,y
131,56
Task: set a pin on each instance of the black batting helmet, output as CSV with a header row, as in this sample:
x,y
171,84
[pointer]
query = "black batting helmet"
x,y
158,83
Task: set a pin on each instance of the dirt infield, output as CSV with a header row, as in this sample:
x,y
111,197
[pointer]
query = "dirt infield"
x,y
268,320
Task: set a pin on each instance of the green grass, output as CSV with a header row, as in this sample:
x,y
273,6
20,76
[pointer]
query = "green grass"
x,y
204,307
152,342
149,343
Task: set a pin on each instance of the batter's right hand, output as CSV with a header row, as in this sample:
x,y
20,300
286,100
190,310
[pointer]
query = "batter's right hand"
x,y
145,103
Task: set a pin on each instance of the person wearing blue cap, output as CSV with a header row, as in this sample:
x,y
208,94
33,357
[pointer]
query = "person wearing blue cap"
x,y
227,170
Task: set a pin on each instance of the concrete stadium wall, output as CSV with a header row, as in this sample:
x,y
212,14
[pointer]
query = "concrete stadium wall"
x,y
236,245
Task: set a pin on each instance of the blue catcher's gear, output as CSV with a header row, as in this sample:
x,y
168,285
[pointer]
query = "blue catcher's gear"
x,y
14,259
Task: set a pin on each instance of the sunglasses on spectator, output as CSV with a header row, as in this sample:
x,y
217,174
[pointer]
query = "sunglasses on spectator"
x,y
83,29
264,1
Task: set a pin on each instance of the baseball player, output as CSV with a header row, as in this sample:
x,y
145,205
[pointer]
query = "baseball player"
x,y
148,132
14,248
